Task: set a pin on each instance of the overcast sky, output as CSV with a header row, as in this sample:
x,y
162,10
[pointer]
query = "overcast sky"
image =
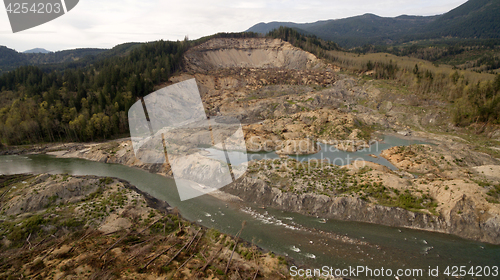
x,y
106,23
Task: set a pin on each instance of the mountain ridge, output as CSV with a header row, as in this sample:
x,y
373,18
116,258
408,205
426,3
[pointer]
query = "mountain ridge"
x,y
473,19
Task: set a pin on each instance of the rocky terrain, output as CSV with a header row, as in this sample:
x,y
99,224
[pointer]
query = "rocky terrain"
x,y
86,227
287,100
368,192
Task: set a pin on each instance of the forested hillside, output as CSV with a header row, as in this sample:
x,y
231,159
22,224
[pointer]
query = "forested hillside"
x,y
11,59
60,60
355,31
88,100
85,103
474,19
91,102
473,97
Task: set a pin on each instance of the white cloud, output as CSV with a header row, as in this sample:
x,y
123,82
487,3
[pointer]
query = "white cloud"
x,y
106,23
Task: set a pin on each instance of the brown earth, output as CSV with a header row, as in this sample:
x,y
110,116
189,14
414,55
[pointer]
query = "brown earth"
x,y
283,94
86,227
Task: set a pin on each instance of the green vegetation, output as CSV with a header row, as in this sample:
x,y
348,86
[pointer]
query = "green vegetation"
x,y
36,227
472,20
85,103
472,44
61,241
309,43
473,97
357,30
106,180
11,59
331,180
477,55
494,193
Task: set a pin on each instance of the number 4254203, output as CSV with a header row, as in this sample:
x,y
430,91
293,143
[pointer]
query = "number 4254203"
x,y
474,271
35,8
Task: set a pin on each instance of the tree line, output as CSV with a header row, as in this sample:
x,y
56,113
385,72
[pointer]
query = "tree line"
x,y
307,42
85,103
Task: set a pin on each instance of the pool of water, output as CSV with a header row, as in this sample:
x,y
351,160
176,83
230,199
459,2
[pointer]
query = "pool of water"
x,y
327,152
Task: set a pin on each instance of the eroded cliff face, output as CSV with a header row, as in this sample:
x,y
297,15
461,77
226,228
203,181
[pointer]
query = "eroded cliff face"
x,y
248,53
465,220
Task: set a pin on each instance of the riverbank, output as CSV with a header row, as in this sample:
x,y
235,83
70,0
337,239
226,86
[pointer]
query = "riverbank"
x,y
87,226
444,187
441,187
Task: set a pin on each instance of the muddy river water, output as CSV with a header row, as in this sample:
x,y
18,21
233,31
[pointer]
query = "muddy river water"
x,y
308,240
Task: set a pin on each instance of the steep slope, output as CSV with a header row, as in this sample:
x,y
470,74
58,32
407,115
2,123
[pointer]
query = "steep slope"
x,y
88,227
10,59
250,53
473,19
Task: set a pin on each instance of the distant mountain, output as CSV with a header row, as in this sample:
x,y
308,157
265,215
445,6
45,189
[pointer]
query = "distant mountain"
x,y
473,19
37,50
355,31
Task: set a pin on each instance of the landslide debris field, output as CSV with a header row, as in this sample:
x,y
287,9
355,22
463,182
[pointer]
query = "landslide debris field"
x,y
284,95
454,181
86,227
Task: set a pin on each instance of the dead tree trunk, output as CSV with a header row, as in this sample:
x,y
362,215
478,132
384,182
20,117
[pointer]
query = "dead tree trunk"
x,y
178,252
211,259
237,237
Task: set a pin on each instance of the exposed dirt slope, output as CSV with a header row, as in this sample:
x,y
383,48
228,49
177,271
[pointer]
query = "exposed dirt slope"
x,y
248,53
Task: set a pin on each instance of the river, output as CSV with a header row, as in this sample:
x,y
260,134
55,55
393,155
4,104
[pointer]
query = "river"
x,y
308,240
